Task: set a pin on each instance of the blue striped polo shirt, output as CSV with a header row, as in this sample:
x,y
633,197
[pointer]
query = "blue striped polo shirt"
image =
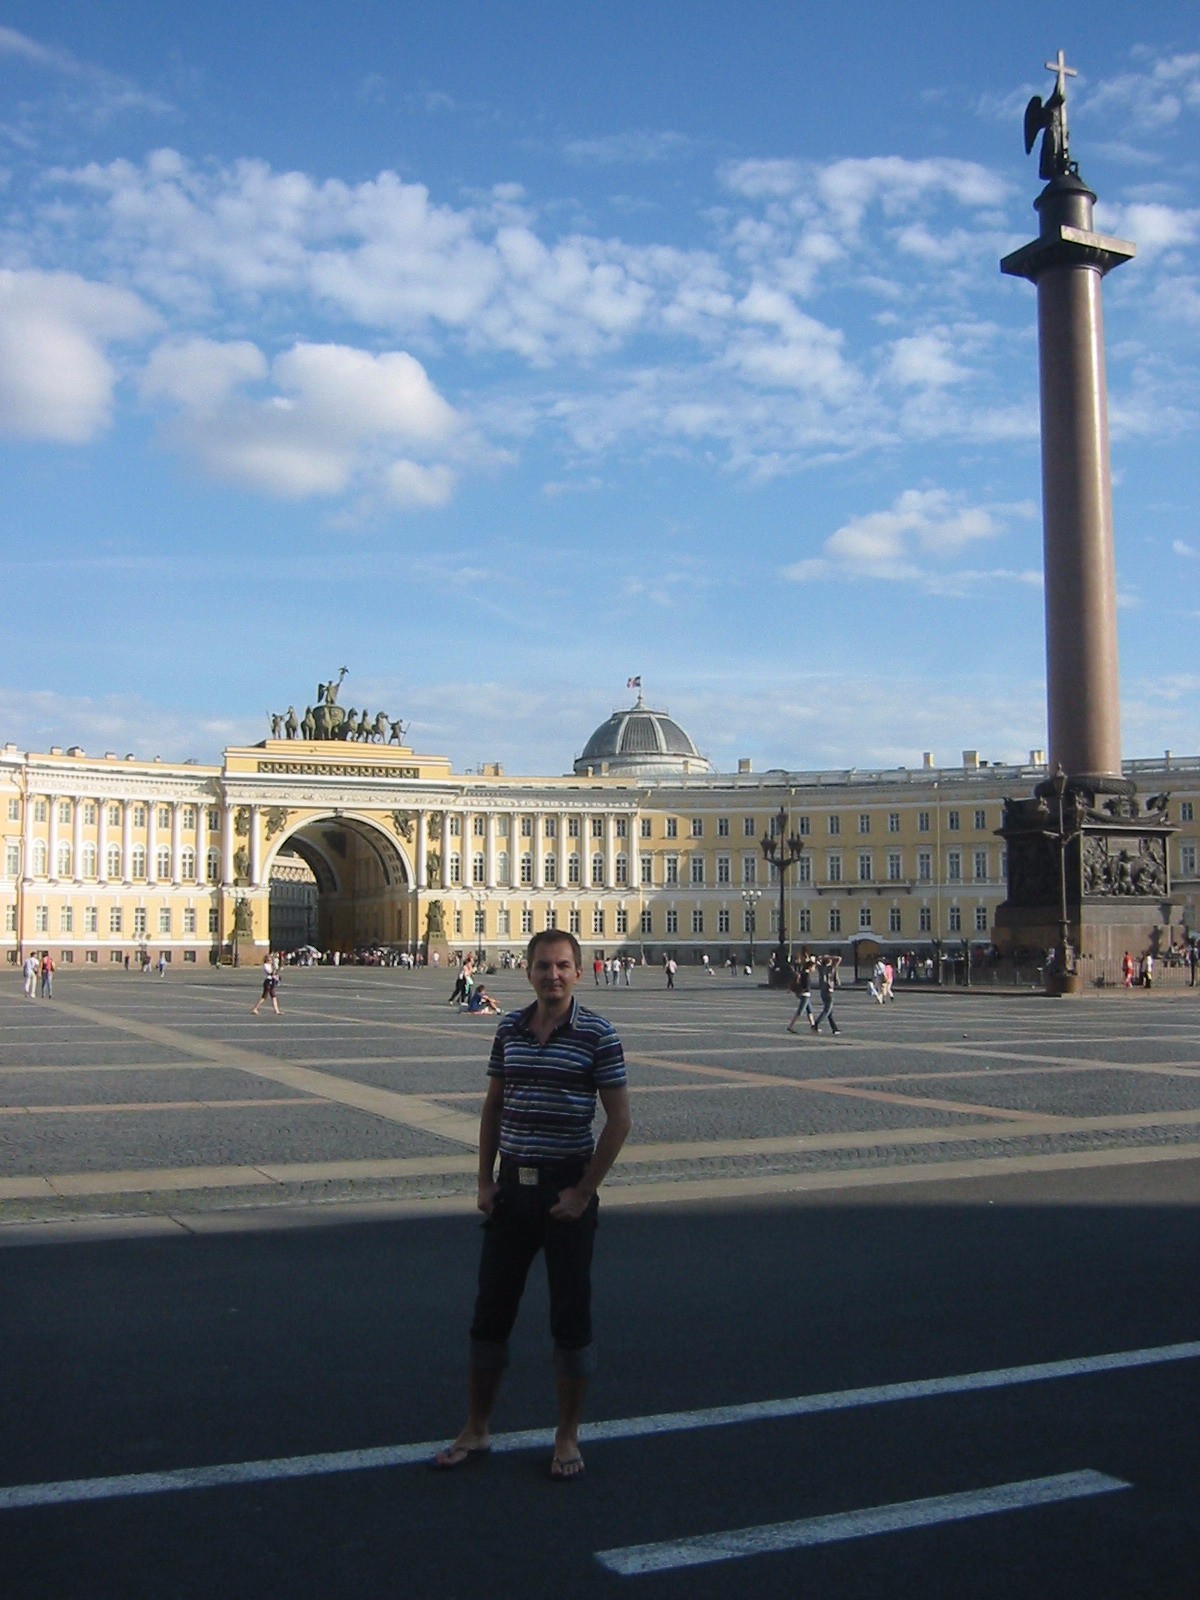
x,y
550,1089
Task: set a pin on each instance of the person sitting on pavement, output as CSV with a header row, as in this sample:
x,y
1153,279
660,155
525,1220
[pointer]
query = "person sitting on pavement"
x,y
479,1001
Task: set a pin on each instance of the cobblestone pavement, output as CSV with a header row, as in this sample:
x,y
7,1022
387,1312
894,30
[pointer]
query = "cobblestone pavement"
x,y
166,1104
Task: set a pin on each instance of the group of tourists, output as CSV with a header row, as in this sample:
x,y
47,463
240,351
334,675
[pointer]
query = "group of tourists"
x,y
821,975
38,973
611,971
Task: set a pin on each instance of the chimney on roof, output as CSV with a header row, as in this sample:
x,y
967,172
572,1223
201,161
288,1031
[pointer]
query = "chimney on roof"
x,y
927,758
745,764
970,758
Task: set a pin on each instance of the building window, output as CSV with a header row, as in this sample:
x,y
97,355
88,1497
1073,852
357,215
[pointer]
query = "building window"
x,y
981,921
924,866
597,869
12,860
672,827
214,818
1187,860
671,870
835,824
527,920
91,919
139,922
63,860
14,811
41,919
749,921
164,816
697,870
550,871
646,923
722,827
622,871
864,915
981,871
455,865
672,922
835,920
697,827
572,827
573,865
866,868
1186,811
502,867
803,826
527,827
697,921
214,866
646,827
187,864
214,921
922,822
952,821
598,921
478,868
955,920
66,919
833,867
480,921
88,861
188,819
526,867
981,820
189,919
458,919
750,869
925,919
139,816
137,866
894,866
622,920
39,859
162,863
621,827
573,921
479,827
954,866
804,920
894,919
864,822
112,861
749,830
893,822
551,918
503,923
804,870
723,870
164,919
64,811
39,811
722,922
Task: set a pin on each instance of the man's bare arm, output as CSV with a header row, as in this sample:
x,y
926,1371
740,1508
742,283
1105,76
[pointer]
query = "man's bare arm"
x,y
618,1120
489,1144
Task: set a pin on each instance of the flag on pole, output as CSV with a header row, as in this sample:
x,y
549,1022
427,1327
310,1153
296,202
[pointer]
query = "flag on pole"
x,y
633,683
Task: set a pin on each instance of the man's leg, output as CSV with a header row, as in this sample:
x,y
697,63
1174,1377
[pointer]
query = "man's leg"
x,y
509,1246
568,1248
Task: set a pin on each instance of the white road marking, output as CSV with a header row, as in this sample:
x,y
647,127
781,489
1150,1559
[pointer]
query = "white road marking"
x,y
21,1496
638,1559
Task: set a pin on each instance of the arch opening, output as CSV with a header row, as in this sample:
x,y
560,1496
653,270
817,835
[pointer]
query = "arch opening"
x,y
340,883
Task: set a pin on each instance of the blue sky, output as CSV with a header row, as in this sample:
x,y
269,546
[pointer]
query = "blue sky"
x,y
500,352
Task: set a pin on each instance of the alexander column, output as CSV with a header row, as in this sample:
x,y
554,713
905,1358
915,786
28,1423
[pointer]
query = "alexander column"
x,y
1087,873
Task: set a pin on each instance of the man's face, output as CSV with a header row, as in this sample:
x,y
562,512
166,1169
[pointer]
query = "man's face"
x,y
553,972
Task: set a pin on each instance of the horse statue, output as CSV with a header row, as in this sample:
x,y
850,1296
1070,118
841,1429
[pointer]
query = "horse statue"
x,y
377,733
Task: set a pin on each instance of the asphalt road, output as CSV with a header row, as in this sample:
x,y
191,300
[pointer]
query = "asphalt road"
x,y
145,1355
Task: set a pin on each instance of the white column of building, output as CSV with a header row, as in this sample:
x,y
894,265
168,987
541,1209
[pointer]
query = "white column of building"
x,y
227,843
126,840
564,848
77,842
255,848
176,842
201,843
635,851
422,850
152,842
102,839
539,851
610,851
52,863
446,849
490,850
27,843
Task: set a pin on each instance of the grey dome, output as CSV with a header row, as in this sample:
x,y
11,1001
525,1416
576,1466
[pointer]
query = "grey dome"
x,y
640,742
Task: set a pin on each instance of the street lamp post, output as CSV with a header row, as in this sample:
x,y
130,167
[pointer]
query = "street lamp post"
x,y
750,898
782,853
480,900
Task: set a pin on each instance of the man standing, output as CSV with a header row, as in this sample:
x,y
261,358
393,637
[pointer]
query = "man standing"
x,y
29,972
548,1064
827,983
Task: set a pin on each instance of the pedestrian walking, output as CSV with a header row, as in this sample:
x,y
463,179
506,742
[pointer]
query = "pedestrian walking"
x,y
801,987
670,968
827,982
270,986
47,972
29,972
876,981
549,1062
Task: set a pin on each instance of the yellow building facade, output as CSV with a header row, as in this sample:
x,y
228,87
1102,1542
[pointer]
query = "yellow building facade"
x,y
640,850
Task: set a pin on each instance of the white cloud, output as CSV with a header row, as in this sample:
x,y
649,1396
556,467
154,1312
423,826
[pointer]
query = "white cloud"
x,y
1153,98
924,361
641,147
328,417
56,380
914,540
